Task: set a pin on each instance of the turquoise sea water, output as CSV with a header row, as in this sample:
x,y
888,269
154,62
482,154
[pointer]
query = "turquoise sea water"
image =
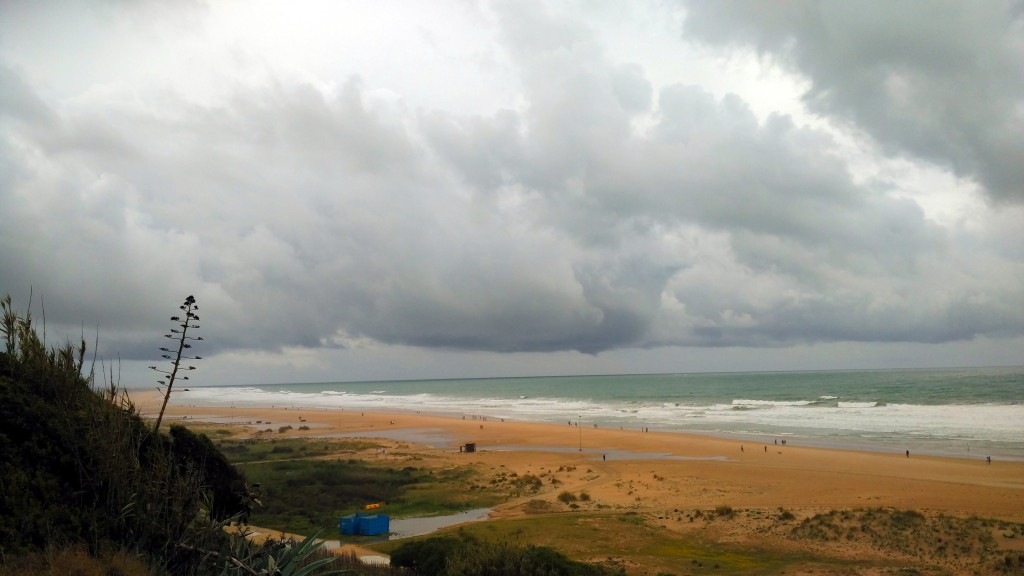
x,y
969,412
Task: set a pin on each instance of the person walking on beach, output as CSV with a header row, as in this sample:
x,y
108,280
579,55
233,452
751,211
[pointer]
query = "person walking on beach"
x,y
908,453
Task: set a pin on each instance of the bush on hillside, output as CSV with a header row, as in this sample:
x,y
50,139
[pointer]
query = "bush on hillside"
x,y
428,556
449,556
80,466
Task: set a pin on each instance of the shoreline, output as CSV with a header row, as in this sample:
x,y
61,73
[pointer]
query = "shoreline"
x,y
970,414
841,443
712,471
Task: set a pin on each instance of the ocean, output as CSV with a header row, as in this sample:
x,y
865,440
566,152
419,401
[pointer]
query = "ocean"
x,y
964,412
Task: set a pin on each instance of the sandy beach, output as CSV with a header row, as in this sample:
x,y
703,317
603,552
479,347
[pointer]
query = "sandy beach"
x,y
660,469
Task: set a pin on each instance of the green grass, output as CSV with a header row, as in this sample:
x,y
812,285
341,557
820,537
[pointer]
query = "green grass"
x,y
931,540
309,483
580,536
300,496
256,450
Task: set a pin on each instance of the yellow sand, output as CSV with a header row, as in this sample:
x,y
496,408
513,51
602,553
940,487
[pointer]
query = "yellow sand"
x,y
759,476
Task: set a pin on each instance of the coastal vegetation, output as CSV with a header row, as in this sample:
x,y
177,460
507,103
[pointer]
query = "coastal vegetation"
x,y
184,342
86,482
558,510
466,555
88,486
302,495
310,483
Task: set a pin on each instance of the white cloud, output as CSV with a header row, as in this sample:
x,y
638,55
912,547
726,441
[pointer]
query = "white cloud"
x,y
515,185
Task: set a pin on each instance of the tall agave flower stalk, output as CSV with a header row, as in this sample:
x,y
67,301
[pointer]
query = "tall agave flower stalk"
x,y
176,358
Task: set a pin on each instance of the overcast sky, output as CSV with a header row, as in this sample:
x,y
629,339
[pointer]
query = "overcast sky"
x,y
388,190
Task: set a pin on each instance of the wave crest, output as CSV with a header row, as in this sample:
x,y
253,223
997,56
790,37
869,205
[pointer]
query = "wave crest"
x,y
858,404
769,403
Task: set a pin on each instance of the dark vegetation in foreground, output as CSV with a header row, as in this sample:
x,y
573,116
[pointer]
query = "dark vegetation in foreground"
x,y
88,487
466,555
83,475
80,465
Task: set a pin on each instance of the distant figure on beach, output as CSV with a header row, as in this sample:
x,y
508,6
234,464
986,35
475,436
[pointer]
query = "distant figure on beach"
x,y
765,448
741,447
908,453
776,441
988,459
605,458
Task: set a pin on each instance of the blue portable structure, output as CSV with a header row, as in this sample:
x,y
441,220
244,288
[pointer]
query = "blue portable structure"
x,y
364,525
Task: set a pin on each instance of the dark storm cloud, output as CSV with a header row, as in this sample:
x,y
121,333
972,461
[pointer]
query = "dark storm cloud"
x,y
937,80
808,255
294,218
602,212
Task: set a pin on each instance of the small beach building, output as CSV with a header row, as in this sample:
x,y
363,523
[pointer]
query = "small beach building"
x,y
364,525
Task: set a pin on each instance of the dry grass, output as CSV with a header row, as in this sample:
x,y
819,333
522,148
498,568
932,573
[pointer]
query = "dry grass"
x,y
963,545
75,561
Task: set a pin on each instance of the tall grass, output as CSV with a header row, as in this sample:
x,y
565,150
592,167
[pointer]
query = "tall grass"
x,y
81,472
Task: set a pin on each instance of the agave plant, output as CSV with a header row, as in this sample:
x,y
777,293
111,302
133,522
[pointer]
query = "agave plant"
x,y
184,343
287,558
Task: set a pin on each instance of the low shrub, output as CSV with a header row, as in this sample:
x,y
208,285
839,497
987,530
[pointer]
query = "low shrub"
x,y
448,556
724,511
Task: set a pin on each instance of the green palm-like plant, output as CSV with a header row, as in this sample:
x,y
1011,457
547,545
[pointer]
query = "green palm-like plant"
x,y
288,558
